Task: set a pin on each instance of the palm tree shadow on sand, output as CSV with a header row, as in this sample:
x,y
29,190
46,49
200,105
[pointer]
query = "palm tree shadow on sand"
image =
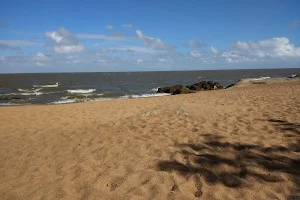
x,y
207,160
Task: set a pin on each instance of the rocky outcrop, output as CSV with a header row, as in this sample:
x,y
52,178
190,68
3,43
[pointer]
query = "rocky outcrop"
x,y
176,89
181,89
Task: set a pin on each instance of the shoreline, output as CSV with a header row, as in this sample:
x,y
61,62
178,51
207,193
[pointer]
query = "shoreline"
x,y
240,83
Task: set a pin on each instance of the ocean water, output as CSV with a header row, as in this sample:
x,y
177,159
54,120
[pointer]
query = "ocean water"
x,y
78,87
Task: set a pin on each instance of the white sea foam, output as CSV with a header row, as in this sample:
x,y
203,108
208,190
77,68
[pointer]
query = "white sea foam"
x,y
143,96
29,90
261,78
9,104
81,91
90,96
154,89
26,93
45,86
65,101
150,95
29,93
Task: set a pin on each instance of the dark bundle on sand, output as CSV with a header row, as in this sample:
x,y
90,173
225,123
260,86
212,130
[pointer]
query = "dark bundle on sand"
x,y
181,89
294,76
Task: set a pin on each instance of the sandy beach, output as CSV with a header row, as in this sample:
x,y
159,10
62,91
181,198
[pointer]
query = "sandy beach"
x,y
239,143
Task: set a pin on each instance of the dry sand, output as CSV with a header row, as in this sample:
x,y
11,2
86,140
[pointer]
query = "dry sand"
x,y
242,143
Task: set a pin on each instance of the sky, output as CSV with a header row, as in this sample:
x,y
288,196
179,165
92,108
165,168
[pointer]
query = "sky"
x,y
149,35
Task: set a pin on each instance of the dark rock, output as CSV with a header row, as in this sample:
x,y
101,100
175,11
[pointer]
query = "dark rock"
x,y
211,84
189,86
205,85
160,90
200,84
174,88
171,89
182,90
229,86
194,87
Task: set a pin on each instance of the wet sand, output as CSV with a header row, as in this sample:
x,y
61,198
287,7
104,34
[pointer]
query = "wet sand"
x,y
240,143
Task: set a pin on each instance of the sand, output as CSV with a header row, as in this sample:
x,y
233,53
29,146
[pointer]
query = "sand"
x,y
240,143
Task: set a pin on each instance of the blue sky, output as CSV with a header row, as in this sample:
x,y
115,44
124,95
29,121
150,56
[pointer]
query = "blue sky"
x,y
66,36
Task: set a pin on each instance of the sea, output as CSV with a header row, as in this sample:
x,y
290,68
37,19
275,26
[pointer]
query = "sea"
x,y
63,88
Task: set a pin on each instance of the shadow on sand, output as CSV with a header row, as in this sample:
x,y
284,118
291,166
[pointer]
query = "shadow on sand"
x,y
210,158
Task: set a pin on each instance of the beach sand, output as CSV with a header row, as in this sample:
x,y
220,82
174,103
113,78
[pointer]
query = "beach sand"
x,y
240,143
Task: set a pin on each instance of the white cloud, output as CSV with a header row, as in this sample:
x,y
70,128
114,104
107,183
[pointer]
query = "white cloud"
x,y
195,53
270,48
231,57
136,49
109,26
139,61
127,25
41,57
194,44
214,50
273,49
105,60
130,49
40,64
242,45
69,49
152,42
101,61
64,42
103,37
54,36
164,62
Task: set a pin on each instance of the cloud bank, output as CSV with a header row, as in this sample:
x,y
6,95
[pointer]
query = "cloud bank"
x,y
64,42
117,51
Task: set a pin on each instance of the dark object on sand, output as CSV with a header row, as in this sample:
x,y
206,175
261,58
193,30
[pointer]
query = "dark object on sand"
x,y
231,85
294,76
181,89
176,89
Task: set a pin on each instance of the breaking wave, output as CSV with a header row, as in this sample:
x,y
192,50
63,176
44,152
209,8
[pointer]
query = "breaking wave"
x,y
81,91
29,90
45,86
143,96
154,89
